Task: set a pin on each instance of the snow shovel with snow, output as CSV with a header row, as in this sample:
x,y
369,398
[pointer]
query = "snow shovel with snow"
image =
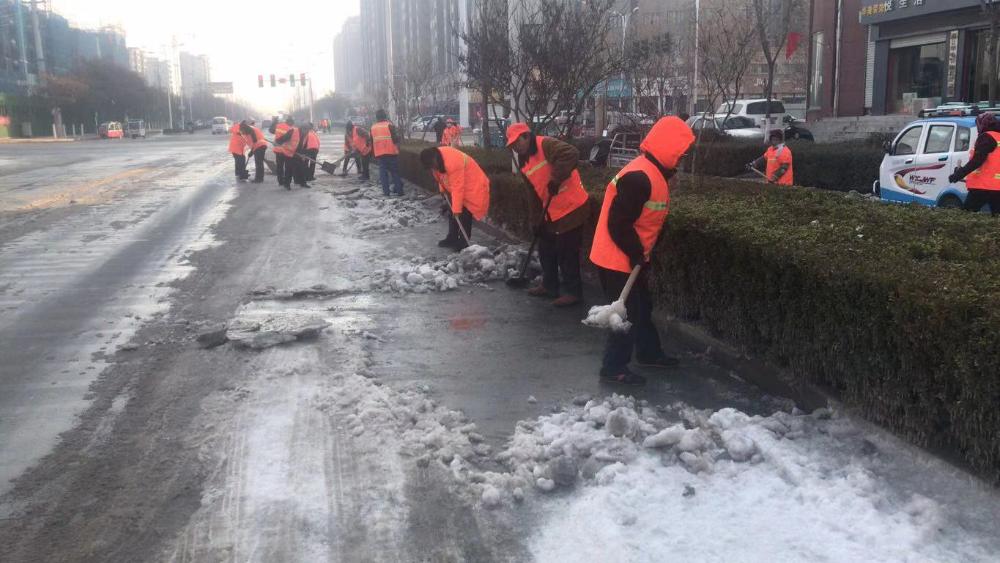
x,y
614,316
457,222
330,169
522,280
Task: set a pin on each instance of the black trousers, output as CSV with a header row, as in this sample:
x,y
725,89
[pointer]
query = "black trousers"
x,y
978,198
241,166
310,167
258,161
295,170
465,217
280,163
560,256
642,336
363,160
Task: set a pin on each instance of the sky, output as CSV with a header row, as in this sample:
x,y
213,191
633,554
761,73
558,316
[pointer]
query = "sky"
x,y
242,38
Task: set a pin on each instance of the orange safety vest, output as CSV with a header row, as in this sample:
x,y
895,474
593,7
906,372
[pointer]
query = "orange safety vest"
x,y
775,159
237,142
987,176
287,149
359,142
538,171
604,252
465,181
452,135
382,139
312,141
261,141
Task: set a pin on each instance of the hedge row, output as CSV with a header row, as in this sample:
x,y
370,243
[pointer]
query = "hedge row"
x,y
895,308
830,166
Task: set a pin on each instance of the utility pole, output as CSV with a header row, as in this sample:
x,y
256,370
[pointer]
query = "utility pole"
x,y
694,84
39,51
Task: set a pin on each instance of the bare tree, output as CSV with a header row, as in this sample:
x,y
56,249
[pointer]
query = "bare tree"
x,y
486,57
726,53
773,20
418,77
650,63
991,11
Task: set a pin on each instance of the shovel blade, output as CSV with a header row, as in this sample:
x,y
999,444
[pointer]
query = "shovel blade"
x,y
328,168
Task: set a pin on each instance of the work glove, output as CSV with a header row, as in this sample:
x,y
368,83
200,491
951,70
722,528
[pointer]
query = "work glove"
x,y
954,177
637,260
445,209
553,189
749,167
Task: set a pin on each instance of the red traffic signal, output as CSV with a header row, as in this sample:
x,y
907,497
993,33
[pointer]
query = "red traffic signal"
x,y
260,80
302,78
272,81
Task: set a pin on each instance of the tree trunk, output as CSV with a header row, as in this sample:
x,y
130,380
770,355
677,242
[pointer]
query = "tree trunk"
x,y
768,94
994,59
486,117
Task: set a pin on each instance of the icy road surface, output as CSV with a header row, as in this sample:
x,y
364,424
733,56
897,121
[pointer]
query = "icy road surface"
x,y
421,411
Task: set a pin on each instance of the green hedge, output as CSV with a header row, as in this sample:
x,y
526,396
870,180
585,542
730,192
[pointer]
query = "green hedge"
x,y
830,166
892,307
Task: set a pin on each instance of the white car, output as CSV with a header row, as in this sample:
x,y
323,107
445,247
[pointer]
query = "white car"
x,y
755,109
220,125
919,160
737,127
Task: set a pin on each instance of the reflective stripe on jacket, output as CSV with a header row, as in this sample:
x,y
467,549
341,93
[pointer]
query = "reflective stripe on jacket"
x,y
237,142
538,171
382,139
465,181
776,157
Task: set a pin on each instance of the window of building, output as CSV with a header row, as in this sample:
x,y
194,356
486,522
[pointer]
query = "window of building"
x,y
916,76
816,84
938,139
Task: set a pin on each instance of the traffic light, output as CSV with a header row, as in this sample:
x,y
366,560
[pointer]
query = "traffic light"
x,y
291,79
302,78
260,80
273,84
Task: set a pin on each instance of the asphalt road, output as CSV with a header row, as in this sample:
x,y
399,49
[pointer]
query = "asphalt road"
x,y
122,440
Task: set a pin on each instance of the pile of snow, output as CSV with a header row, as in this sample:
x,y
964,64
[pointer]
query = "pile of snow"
x,y
377,213
252,328
473,265
611,316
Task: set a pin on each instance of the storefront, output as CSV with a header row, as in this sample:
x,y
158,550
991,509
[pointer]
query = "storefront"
x,y
925,52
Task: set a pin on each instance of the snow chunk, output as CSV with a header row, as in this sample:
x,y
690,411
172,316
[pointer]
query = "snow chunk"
x,y
491,496
665,438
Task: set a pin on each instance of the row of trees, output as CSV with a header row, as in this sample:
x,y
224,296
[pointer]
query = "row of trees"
x,y
538,59
98,90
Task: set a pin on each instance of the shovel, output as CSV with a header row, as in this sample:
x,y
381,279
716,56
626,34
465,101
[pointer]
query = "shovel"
x,y
521,280
457,222
759,173
327,167
614,316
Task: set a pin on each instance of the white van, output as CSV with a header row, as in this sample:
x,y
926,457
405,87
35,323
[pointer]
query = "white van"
x,y
220,125
920,159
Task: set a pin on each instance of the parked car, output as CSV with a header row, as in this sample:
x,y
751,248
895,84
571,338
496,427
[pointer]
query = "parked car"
x,y
136,128
755,109
919,160
110,130
421,123
220,126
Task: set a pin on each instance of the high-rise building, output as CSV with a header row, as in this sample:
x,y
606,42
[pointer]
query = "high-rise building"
x,y
348,58
137,60
194,73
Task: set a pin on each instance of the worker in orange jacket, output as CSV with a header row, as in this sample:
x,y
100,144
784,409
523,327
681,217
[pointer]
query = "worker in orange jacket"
x,y
357,144
982,172
286,144
258,146
464,185
237,147
549,166
385,145
777,160
636,204
311,149
452,134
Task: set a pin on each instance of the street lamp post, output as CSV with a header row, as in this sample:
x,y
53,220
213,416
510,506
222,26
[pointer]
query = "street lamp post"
x,y
621,87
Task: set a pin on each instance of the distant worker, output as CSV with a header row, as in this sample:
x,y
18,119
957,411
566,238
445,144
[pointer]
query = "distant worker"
x,y
777,159
549,167
237,147
385,144
258,146
465,187
286,142
311,145
439,126
452,134
636,204
982,172
357,143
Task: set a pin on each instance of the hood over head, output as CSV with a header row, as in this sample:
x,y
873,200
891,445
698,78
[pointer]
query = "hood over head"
x,y
668,140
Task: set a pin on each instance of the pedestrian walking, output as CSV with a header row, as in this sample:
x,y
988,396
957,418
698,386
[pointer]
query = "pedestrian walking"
x,y
982,172
549,166
385,144
466,189
237,147
636,204
777,159
258,146
311,144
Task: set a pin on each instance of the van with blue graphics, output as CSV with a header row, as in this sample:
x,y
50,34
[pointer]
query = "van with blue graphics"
x,y
920,159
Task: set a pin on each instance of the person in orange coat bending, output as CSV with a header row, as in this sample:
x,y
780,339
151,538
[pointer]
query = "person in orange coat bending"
x,y
465,187
238,145
777,160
